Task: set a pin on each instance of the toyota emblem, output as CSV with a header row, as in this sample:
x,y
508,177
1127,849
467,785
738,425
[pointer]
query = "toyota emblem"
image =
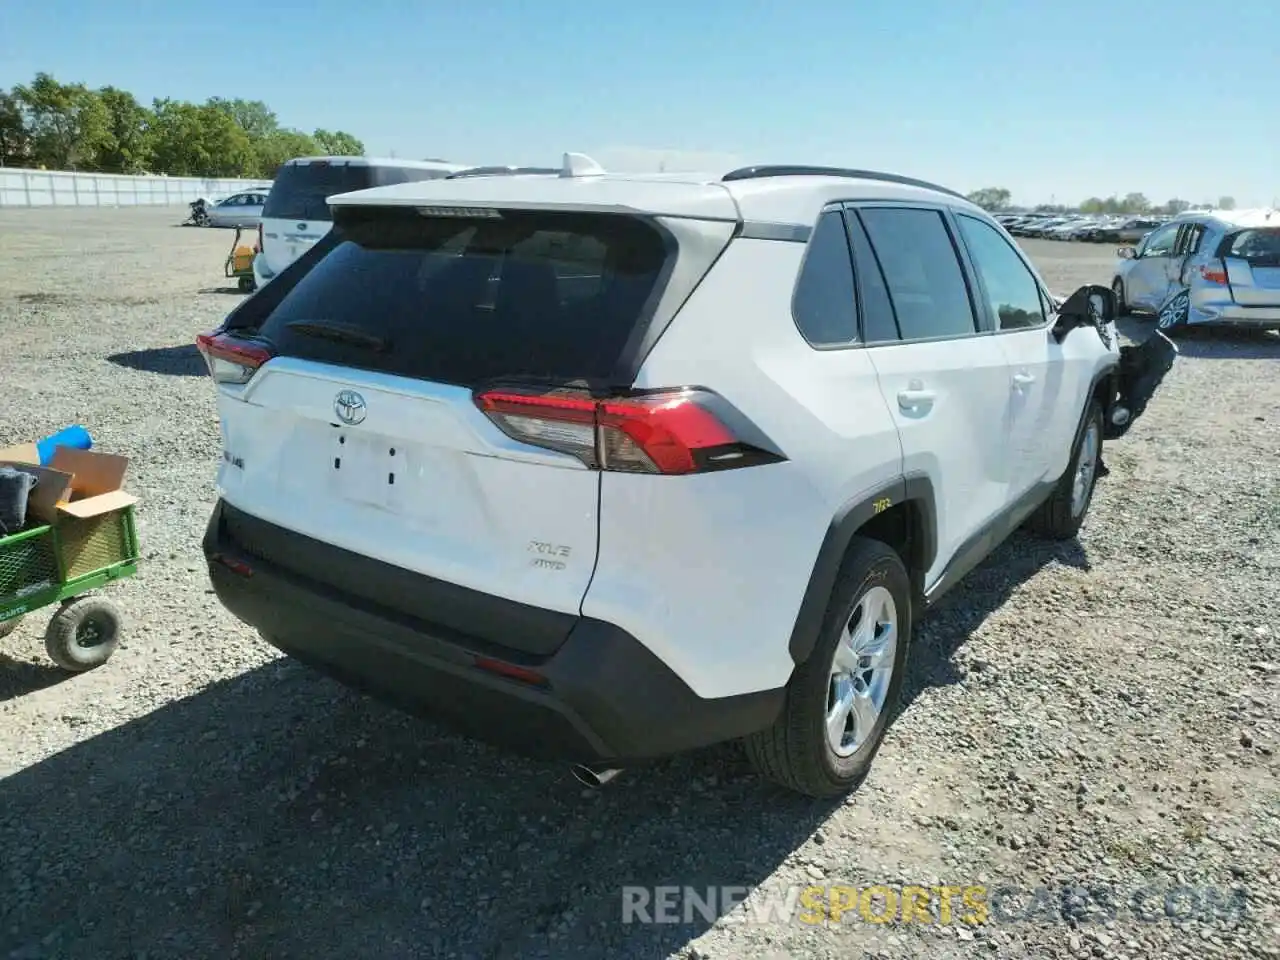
x,y
350,408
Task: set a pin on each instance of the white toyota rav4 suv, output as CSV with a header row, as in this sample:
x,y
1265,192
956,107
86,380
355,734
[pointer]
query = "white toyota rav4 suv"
x,y
608,467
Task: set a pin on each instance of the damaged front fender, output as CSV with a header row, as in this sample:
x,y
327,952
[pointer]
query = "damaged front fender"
x,y
1142,369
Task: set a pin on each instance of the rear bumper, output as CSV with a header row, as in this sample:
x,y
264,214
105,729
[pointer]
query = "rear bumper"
x,y
1234,315
603,696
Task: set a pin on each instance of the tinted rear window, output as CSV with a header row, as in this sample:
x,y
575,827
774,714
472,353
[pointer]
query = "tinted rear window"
x,y
1260,247
456,300
300,190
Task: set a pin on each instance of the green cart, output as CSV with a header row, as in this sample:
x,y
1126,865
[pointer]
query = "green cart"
x,y
59,564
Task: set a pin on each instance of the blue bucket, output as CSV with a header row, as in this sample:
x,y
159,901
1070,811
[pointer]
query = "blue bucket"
x,y
74,436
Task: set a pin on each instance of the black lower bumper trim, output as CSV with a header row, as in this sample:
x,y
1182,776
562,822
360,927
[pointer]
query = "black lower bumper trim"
x,y
606,697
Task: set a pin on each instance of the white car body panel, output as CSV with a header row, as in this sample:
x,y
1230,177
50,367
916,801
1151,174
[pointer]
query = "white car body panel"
x,y
708,571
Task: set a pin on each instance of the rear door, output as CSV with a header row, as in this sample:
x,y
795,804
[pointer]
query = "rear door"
x,y
946,383
1252,258
364,432
1185,247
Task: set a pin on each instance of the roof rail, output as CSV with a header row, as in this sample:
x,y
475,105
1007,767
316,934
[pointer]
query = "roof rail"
x,y
761,171
499,171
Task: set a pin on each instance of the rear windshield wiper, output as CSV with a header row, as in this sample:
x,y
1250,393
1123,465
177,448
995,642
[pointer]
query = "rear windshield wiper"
x,y
327,330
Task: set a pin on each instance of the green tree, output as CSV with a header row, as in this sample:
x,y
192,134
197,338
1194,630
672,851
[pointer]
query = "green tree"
x,y
1176,206
252,116
15,142
68,123
1226,203
1094,205
1135,203
338,144
68,126
272,151
991,198
200,141
128,147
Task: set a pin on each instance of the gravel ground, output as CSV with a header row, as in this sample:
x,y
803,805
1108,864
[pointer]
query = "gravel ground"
x,y
1100,715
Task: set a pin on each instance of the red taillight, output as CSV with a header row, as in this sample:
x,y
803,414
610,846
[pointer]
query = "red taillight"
x,y
675,432
1214,273
511,671
231,360
235,566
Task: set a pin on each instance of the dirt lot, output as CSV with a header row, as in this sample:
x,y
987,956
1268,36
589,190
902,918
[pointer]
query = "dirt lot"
x,y
1100,716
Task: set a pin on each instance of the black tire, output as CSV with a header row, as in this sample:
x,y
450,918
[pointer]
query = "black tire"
x,y
9,626
83,634
1117,287
1055,519
795,752
246,284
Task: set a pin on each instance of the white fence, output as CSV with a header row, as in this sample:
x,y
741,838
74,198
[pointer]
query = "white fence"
x,y
47,188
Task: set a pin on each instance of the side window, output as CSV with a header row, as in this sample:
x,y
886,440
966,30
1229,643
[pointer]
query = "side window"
x,y
921,270
1012,291
879,324
1160,243
1194,237
823,305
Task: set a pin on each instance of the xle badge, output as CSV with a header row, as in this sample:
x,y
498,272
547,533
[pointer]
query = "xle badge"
x,y
548,556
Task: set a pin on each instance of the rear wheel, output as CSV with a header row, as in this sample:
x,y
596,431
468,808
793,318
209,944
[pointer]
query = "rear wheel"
x,y
1062,515
840,699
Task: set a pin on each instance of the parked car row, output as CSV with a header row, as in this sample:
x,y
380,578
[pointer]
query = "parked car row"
x,y
1091,228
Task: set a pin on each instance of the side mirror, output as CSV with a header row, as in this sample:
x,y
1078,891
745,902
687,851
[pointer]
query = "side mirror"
x,y
1092,305
1127,253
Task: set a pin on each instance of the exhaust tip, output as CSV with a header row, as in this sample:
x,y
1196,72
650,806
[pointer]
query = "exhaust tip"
x,y
593,777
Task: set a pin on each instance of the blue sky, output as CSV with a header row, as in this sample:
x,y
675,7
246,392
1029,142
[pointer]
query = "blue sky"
x,y
1064,101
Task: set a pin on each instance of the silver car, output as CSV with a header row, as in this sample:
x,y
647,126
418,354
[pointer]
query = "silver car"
x,y
1215,268
238,210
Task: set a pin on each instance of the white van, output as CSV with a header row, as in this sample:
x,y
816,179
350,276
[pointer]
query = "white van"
x,y
297,214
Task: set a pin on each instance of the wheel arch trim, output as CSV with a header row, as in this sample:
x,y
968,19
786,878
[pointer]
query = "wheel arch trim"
x,y
916,489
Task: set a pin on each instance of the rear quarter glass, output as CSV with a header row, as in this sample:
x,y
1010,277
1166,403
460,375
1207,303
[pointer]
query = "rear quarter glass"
x,y
544,296
301,191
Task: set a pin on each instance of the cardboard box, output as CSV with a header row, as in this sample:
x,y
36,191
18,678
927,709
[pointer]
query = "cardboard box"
x,y
76,484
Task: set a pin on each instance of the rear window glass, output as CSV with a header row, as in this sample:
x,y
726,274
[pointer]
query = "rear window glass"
x,y
1259,247
300,190
456,300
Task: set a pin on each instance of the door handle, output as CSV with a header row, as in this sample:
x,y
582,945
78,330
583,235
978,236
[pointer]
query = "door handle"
x,y
908,399
1023,379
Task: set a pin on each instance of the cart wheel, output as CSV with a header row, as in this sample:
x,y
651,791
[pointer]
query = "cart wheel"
x,y
246,284
83,634
9,626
